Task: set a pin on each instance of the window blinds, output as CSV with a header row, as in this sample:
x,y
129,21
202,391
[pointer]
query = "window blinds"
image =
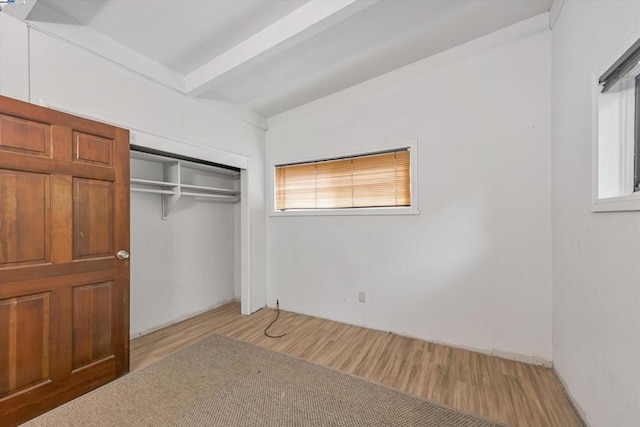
x,y
367,181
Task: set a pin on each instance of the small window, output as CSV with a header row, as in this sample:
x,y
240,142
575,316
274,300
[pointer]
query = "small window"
x,y
374,180
618,134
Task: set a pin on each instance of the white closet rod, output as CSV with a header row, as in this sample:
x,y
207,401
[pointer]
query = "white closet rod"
x,y
200,187
216,196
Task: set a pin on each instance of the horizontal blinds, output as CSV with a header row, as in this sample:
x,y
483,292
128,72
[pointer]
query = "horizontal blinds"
x,y
375,180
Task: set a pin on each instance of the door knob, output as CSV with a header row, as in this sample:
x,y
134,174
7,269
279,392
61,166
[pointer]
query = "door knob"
x,y
122,254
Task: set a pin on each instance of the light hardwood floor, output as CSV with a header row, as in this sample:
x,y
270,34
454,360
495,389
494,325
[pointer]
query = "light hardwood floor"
x,y
514,393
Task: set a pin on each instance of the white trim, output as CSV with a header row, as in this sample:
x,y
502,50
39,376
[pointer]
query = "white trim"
x,y
595,169
509,355
554,12
179,319
627,142
412,145
629,202
348,212
574,402
245,244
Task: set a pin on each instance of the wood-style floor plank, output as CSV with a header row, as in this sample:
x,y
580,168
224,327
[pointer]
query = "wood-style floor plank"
x,y
514,393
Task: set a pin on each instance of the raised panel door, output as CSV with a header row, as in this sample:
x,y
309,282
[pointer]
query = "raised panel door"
x,y
64,296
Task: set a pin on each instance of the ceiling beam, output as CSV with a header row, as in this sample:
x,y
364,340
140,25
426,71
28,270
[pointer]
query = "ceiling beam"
x,y
238,111
304,22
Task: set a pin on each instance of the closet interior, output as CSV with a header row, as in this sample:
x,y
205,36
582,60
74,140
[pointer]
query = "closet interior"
x,y
185,237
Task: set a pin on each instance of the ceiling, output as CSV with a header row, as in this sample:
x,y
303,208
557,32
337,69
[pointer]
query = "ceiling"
x,y
269,56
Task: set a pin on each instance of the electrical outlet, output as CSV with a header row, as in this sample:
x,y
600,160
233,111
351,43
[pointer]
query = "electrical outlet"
x,y
362,297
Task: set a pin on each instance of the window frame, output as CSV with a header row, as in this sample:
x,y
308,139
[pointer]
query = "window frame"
x,y
628,197
636,137
411,145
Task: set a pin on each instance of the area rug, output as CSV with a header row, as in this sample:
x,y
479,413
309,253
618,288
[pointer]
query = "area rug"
x,y
224,382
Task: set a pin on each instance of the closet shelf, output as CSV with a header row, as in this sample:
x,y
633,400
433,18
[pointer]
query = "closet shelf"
x,y
155,183
151,190
180,178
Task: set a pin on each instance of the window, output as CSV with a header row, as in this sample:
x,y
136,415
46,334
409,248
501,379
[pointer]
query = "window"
x,y
617,149
374,180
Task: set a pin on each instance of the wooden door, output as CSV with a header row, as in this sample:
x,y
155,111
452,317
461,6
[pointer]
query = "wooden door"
x,y
64,295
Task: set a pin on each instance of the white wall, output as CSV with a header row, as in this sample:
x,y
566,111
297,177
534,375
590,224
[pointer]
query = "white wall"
x,y
69,77
474,268
14,57
186,263
180,266
596,269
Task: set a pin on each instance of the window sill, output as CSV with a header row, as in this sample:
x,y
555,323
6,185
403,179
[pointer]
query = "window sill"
x,y
617,204
347,212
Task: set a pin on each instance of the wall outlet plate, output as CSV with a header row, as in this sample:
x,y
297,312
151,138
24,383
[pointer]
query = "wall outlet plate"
x,y
362,297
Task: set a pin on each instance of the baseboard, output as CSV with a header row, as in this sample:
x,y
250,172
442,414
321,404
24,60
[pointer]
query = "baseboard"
x,y
577,409
180,319
531,360
517,357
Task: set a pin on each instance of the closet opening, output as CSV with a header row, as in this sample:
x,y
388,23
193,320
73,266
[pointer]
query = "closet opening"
x,y
189,238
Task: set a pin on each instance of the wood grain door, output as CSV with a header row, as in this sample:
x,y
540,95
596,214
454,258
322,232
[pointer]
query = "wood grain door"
x,y
64,295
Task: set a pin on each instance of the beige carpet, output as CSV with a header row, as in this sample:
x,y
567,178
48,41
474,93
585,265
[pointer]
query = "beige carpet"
x,y
224,382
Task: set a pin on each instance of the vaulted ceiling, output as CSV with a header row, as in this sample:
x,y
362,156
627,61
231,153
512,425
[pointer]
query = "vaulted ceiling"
x,y
268,56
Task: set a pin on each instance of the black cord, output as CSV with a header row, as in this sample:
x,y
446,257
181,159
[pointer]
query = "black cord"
x,y
274,321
